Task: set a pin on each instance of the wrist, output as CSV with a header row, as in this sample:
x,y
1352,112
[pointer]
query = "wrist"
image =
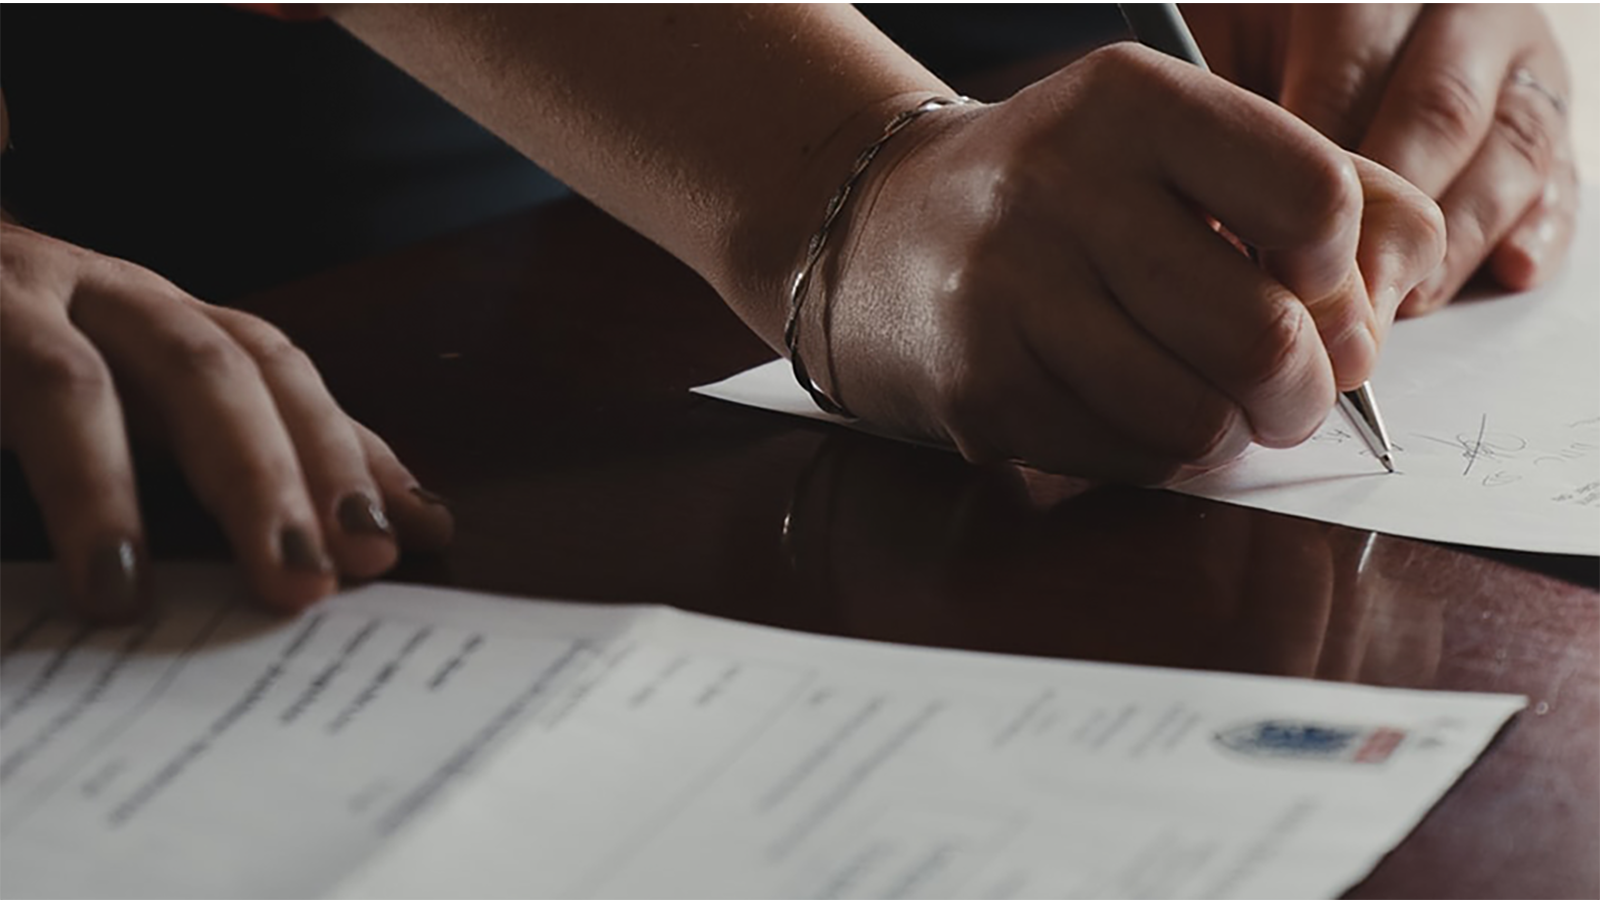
x,y
842,215
767,246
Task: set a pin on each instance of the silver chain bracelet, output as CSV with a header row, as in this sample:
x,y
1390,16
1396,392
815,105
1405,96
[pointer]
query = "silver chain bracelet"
x,y
802,279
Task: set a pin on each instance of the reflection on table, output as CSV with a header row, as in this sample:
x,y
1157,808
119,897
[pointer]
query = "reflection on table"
x,y
535,372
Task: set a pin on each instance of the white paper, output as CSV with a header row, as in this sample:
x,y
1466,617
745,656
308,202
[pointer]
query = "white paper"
x,y
1493,406
402,741
225,753
713,759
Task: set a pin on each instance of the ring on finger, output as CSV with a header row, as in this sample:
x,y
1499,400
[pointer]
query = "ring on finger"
x,y
1522,77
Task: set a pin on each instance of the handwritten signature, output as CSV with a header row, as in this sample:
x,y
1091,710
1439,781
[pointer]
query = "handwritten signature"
x,y
1510,450
1485,444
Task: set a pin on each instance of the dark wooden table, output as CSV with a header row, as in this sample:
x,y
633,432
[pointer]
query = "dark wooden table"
x,y
535,371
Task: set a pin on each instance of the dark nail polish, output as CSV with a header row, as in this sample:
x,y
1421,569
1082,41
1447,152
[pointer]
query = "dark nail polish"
x,y
299,552
114,580
427,496
360,514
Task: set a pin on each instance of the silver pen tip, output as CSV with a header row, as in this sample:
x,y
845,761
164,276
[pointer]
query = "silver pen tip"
x,y
1388,463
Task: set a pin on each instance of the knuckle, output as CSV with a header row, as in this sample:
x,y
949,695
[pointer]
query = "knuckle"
x,y
1340,314
279,353
116,270
1417,221
210,357
111,270
1118,60
15,251
1529,130
269,347
39,261
1331,196
1207,432
60,370
1448,106
1425,223
1335,92
251,485
1265,358
1123,70
1424,220
1474,221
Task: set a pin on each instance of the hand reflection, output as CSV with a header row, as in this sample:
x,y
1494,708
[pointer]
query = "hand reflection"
x,y
913,545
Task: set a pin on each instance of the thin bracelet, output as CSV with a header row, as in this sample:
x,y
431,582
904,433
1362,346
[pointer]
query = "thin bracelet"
x,y
802,279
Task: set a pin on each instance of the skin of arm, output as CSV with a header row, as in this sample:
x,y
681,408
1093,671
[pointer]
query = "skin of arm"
x,y
1004,272
729,174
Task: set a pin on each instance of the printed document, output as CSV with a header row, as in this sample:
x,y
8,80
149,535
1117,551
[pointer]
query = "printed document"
x,y
1493,405
400,741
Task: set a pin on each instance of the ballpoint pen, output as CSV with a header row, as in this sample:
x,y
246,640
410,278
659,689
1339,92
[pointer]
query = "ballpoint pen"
x,y
1160,26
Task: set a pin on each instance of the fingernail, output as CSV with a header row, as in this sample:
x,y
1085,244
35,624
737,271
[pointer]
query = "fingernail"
x,y
427,496
114,580
300,553
360,514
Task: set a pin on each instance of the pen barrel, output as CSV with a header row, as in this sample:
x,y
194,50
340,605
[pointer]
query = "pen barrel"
x,y
1362,409
1161,27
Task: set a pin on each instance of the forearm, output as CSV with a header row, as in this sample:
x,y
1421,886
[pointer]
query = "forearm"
x,y
718,131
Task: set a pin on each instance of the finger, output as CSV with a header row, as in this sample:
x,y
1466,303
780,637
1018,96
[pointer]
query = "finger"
x,y
223,425
1232,323
1402,242
1496,190
1036,420
62,418
1122,377
341,486
1538,243
420,516
1337,59
1440,101
1265,175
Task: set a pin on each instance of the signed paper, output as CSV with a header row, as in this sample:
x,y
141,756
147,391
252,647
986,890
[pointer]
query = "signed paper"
x,y
1493,405
400,741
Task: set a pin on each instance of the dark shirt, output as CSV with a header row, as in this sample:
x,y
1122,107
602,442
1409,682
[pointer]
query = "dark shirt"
x,y
230,151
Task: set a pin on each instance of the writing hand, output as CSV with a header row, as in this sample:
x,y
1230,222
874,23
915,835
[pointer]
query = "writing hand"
x,y
1040,280
303,492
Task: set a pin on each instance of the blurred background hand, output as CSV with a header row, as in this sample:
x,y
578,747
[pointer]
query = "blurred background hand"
x,y
1469,102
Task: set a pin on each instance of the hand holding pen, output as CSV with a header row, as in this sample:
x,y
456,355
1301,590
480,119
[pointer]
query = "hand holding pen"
x,y
1030,279
1161,27
1467,102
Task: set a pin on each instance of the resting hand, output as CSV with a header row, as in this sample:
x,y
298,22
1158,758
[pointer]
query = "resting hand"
x,y
1468,102
303,492
1039,279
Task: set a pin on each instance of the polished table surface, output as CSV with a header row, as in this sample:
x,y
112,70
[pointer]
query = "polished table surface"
x,y
535,372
